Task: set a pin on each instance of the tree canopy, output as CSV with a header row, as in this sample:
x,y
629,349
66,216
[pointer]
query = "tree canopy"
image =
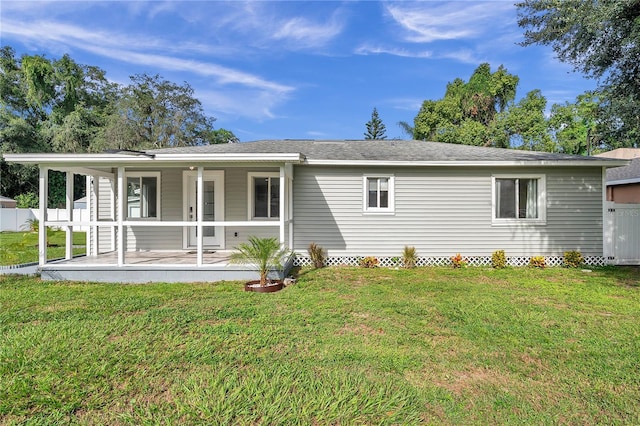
x,y
474,112
602,40
58,105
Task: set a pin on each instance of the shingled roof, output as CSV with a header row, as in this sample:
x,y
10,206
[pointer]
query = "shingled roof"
x,y
375,150
626,174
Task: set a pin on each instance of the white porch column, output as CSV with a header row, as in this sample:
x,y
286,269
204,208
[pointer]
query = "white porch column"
x,y
69,210
120,194
89,197
199,215
112,196
94,182
289,180
283,206
42,229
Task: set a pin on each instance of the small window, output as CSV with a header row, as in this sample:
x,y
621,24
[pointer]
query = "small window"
x,y
378,194
143,195
519,198
264,195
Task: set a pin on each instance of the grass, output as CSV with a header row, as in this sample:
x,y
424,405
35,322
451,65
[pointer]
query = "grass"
x,y
342,346
22,247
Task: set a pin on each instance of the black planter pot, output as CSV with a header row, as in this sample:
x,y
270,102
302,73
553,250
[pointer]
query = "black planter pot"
x,y
271,287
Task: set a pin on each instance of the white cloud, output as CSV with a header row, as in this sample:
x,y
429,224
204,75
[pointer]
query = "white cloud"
x,y
78,37
426,22
406,104
379,50
466,56
228,104
109,45
304,33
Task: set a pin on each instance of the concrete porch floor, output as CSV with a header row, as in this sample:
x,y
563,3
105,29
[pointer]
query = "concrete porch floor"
x,y
155,266
160,258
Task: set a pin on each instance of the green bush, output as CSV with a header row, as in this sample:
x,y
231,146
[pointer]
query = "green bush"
x,y
369,262
498,259
573,259
28,200
538,262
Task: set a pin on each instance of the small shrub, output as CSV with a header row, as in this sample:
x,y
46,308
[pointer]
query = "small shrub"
x,y
409,257
573,259
317,254
395,261
538,262
28,200
32,225
458,261
369,262
498,259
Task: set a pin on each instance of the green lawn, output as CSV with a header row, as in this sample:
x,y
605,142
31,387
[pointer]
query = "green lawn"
x,y
22,247
342,346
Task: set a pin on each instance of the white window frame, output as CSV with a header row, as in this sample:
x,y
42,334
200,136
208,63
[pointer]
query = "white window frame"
x,y
251,194
365,194
141,175
541,199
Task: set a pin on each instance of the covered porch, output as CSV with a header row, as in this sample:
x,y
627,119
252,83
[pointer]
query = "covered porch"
x,y
150,266
155,218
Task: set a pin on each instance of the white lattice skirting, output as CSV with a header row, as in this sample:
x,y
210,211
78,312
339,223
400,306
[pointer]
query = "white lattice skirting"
x,y
390,262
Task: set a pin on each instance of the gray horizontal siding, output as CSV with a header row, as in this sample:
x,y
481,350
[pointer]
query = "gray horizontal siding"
x,y
169,238
104,213
236,199
442,211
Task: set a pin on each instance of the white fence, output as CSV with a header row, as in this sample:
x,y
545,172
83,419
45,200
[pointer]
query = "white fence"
x,y
17,219
622,234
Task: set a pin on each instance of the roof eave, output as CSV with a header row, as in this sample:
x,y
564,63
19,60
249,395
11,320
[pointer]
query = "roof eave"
x,y
468,163
117,159
623,181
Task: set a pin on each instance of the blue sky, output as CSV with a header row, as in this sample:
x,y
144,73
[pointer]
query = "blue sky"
x,y
287,69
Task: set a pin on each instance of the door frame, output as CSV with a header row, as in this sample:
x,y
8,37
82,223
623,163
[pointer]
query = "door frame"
x,y
218,177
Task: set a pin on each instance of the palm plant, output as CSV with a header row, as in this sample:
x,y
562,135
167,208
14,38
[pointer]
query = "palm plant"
x,y
262,253
409,257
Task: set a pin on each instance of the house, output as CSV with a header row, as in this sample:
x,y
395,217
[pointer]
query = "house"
x,y
80,203
7,203
623,183
174,214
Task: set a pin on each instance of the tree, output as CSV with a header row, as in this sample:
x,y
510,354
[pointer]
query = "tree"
x,y
469,109
155,113
576,126
375,127
406,128
223,136
524,126
602,40
58,105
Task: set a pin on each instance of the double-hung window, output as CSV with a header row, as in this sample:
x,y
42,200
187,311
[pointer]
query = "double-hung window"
x,y
378,194
143,195
519,199
264,195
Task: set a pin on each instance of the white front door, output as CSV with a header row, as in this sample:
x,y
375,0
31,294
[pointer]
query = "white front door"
x,y
212,207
